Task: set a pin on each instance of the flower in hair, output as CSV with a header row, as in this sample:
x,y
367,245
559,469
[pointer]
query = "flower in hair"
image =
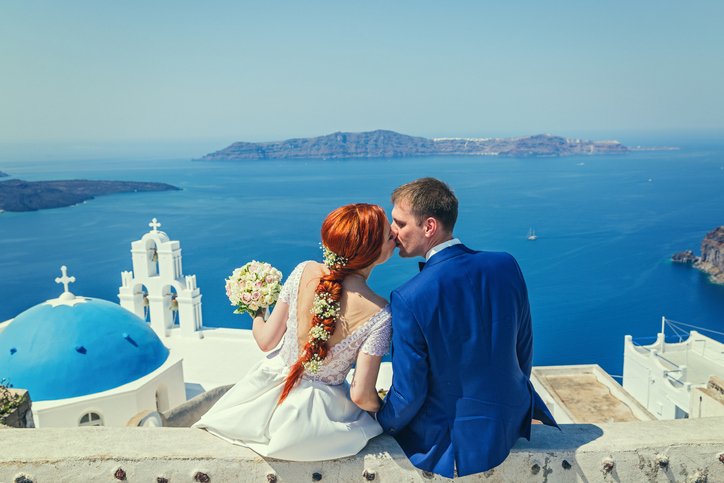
x,y
331,259
313,364
318,333
324,306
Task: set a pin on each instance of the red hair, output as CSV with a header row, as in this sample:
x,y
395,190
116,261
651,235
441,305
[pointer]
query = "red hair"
x,y
355,232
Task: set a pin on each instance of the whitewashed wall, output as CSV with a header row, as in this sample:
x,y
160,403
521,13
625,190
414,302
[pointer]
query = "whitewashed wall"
x,y
115,406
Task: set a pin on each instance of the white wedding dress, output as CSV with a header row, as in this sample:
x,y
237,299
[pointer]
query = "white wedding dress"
x,y
317,420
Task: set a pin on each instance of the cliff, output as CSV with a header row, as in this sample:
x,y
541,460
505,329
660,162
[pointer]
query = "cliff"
x,y
390,144
19,195
711,260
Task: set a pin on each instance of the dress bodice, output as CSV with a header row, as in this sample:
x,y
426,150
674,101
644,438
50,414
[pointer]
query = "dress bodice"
x,y
372,337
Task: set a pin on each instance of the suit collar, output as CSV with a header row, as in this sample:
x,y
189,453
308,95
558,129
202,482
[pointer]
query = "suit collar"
x,y
440,247
447,254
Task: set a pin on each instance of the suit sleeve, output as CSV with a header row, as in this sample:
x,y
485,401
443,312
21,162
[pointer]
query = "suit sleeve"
x,y
409,369
524,344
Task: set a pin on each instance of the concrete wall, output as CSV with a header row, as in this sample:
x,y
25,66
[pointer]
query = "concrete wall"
x,y
660,378
659,451
706,404
708,401
118,405
186,414
647,376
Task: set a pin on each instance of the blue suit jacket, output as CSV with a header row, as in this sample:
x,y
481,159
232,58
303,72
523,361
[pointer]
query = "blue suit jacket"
x,y
461,359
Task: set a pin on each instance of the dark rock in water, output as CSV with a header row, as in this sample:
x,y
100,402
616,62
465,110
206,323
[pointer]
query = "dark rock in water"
x,y
390,144
19,195
687,256
711,260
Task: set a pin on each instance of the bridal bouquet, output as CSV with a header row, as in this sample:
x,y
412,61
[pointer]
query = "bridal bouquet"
x,y
254,286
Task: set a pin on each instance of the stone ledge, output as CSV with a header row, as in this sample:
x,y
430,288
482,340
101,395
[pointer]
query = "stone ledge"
x,y
692,449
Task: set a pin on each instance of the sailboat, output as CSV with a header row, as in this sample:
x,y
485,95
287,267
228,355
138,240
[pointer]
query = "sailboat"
x,y
531,234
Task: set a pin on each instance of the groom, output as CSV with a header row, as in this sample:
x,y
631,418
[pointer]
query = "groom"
x,y
461,344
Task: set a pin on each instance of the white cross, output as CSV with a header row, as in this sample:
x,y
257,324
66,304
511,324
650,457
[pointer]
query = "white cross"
x,y
65,279
154,224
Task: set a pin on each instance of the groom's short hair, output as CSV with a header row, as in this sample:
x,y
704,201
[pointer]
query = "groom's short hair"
x,y
429,197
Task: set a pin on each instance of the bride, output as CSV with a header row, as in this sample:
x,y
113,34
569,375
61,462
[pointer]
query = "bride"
x,y
295,404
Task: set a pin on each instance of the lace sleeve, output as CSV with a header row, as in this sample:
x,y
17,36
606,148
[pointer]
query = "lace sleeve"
x,y
378,341
292,280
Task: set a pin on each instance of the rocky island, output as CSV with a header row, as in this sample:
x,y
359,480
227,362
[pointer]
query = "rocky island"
x,y
3,175
19,195
390,144
711,260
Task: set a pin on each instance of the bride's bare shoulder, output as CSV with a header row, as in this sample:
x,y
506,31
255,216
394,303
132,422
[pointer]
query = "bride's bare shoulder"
x,y
312,272
373,300
314,268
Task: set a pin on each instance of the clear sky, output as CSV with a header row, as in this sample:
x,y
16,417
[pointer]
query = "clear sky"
x,y
220,71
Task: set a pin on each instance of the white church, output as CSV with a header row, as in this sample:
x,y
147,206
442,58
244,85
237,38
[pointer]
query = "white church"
x,y
91,362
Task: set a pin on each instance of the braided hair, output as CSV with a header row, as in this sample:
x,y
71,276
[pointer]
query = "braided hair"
x,y
352,239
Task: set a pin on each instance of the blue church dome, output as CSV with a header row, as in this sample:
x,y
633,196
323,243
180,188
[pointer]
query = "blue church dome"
x,y
58,350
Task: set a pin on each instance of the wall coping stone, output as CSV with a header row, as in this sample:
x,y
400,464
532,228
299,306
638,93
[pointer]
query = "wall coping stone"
x,y
692,450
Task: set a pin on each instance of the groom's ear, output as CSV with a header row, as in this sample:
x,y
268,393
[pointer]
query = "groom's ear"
x,y
430,226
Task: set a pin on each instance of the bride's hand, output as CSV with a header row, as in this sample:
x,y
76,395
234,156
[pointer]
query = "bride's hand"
x,y
268,333
260,313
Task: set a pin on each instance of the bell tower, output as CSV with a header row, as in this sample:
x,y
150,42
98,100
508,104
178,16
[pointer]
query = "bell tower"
x,y
157,290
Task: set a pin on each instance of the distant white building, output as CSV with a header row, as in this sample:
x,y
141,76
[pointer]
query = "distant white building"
x,y
676,380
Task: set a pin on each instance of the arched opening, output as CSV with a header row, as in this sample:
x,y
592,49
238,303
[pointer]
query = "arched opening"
x,y
173,305
152,254
146,304
91,419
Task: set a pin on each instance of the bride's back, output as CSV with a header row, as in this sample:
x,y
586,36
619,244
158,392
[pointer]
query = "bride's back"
x,y
357,304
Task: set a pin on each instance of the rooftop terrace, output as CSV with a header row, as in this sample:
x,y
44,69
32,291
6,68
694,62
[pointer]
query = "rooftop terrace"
x,y
586,394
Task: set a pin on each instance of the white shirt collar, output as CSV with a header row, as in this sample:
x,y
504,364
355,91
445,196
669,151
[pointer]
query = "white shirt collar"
x,y
441,247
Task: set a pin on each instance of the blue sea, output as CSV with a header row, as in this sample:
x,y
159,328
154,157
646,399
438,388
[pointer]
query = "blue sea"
x,y
600,268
